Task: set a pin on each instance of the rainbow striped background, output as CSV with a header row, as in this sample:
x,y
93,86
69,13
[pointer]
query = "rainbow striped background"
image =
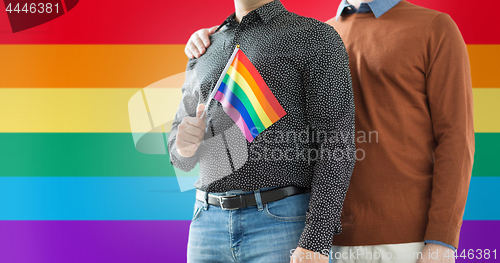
x,y
73,188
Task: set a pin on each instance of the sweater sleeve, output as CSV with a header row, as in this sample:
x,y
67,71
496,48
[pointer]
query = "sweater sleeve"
x,y
449,91
330,110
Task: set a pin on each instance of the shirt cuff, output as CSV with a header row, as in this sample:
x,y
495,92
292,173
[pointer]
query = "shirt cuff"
x,y
185,164
318,236
441,243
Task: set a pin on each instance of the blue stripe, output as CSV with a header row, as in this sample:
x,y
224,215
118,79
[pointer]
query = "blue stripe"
x,y
238,105
149,198
94,198
483,199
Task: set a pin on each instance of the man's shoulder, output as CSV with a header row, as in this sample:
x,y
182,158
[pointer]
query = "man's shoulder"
x,y
423,13
404,13
314,28
425,18
307,23
414,9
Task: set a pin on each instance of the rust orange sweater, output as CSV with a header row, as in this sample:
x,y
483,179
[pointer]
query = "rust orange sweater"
x,y
412,88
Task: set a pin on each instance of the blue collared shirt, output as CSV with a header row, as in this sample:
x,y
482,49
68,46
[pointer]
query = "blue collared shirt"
x,y
378,7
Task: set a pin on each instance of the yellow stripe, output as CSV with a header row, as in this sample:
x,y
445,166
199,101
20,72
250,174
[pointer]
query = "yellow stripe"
x,y
107,109
486,109
236,76
90,109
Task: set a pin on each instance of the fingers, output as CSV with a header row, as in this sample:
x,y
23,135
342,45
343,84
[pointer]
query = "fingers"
x,y
194,49
193,130
187,138
203,35
190,50
195,122
192,125
199,45
198,42
186,149
190,135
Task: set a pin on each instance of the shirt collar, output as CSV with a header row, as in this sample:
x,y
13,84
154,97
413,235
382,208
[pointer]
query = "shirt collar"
x,y
265,13
270,10
378,7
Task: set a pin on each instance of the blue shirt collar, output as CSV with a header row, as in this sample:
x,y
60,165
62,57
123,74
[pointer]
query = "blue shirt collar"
x,y
378,7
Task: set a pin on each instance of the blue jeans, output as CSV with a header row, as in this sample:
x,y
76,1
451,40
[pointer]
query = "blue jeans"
x,y
262,233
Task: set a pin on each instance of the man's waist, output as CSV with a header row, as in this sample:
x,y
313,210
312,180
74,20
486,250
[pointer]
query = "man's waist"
x,y
236,199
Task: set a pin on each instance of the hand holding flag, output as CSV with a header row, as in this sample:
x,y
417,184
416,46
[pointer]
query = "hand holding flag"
x,y
190,133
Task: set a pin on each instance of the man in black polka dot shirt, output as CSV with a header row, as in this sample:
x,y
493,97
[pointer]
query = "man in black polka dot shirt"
x,y
311,149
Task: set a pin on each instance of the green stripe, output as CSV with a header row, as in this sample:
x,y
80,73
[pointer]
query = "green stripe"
x,y
77,154
487,155
238,91
114,154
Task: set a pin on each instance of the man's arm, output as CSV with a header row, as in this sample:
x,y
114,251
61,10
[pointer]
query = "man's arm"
x,y
188,129
330,110
449,91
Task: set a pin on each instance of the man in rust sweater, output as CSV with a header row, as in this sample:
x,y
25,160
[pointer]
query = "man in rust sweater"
x,y
414,126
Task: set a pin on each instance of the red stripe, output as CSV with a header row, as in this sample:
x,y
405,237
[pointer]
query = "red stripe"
x,y
477,21
172,22
261,83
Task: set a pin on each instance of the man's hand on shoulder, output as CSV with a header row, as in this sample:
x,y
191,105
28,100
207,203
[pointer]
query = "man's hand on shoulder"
x,y
302,255
198,42
433,253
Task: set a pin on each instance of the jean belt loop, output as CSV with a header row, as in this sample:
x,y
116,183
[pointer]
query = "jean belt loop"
x,y
260,207
205,205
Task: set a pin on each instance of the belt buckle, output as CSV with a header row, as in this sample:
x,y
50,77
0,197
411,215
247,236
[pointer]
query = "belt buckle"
x,y
221,203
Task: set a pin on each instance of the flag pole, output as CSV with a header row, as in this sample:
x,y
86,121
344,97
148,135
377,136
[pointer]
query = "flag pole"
x,y
221,78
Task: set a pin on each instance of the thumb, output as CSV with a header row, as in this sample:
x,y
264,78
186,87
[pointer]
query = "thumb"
x,y
199,110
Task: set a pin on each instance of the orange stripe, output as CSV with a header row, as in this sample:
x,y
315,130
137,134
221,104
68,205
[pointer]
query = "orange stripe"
x,y
137,66
256,90
485,65
92,66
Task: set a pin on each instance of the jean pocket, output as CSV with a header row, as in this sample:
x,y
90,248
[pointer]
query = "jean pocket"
x,y
198,208
291,208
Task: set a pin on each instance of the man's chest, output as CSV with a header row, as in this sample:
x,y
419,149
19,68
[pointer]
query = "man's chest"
x,y
384,54
281,68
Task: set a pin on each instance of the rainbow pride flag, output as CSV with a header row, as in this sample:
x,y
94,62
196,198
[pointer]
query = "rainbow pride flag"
x,y
245,96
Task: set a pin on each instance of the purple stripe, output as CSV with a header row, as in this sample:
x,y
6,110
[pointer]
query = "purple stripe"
x,y
93,241
480,235
144,241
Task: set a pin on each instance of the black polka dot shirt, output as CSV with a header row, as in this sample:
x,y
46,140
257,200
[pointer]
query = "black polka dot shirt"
x,y
306,66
